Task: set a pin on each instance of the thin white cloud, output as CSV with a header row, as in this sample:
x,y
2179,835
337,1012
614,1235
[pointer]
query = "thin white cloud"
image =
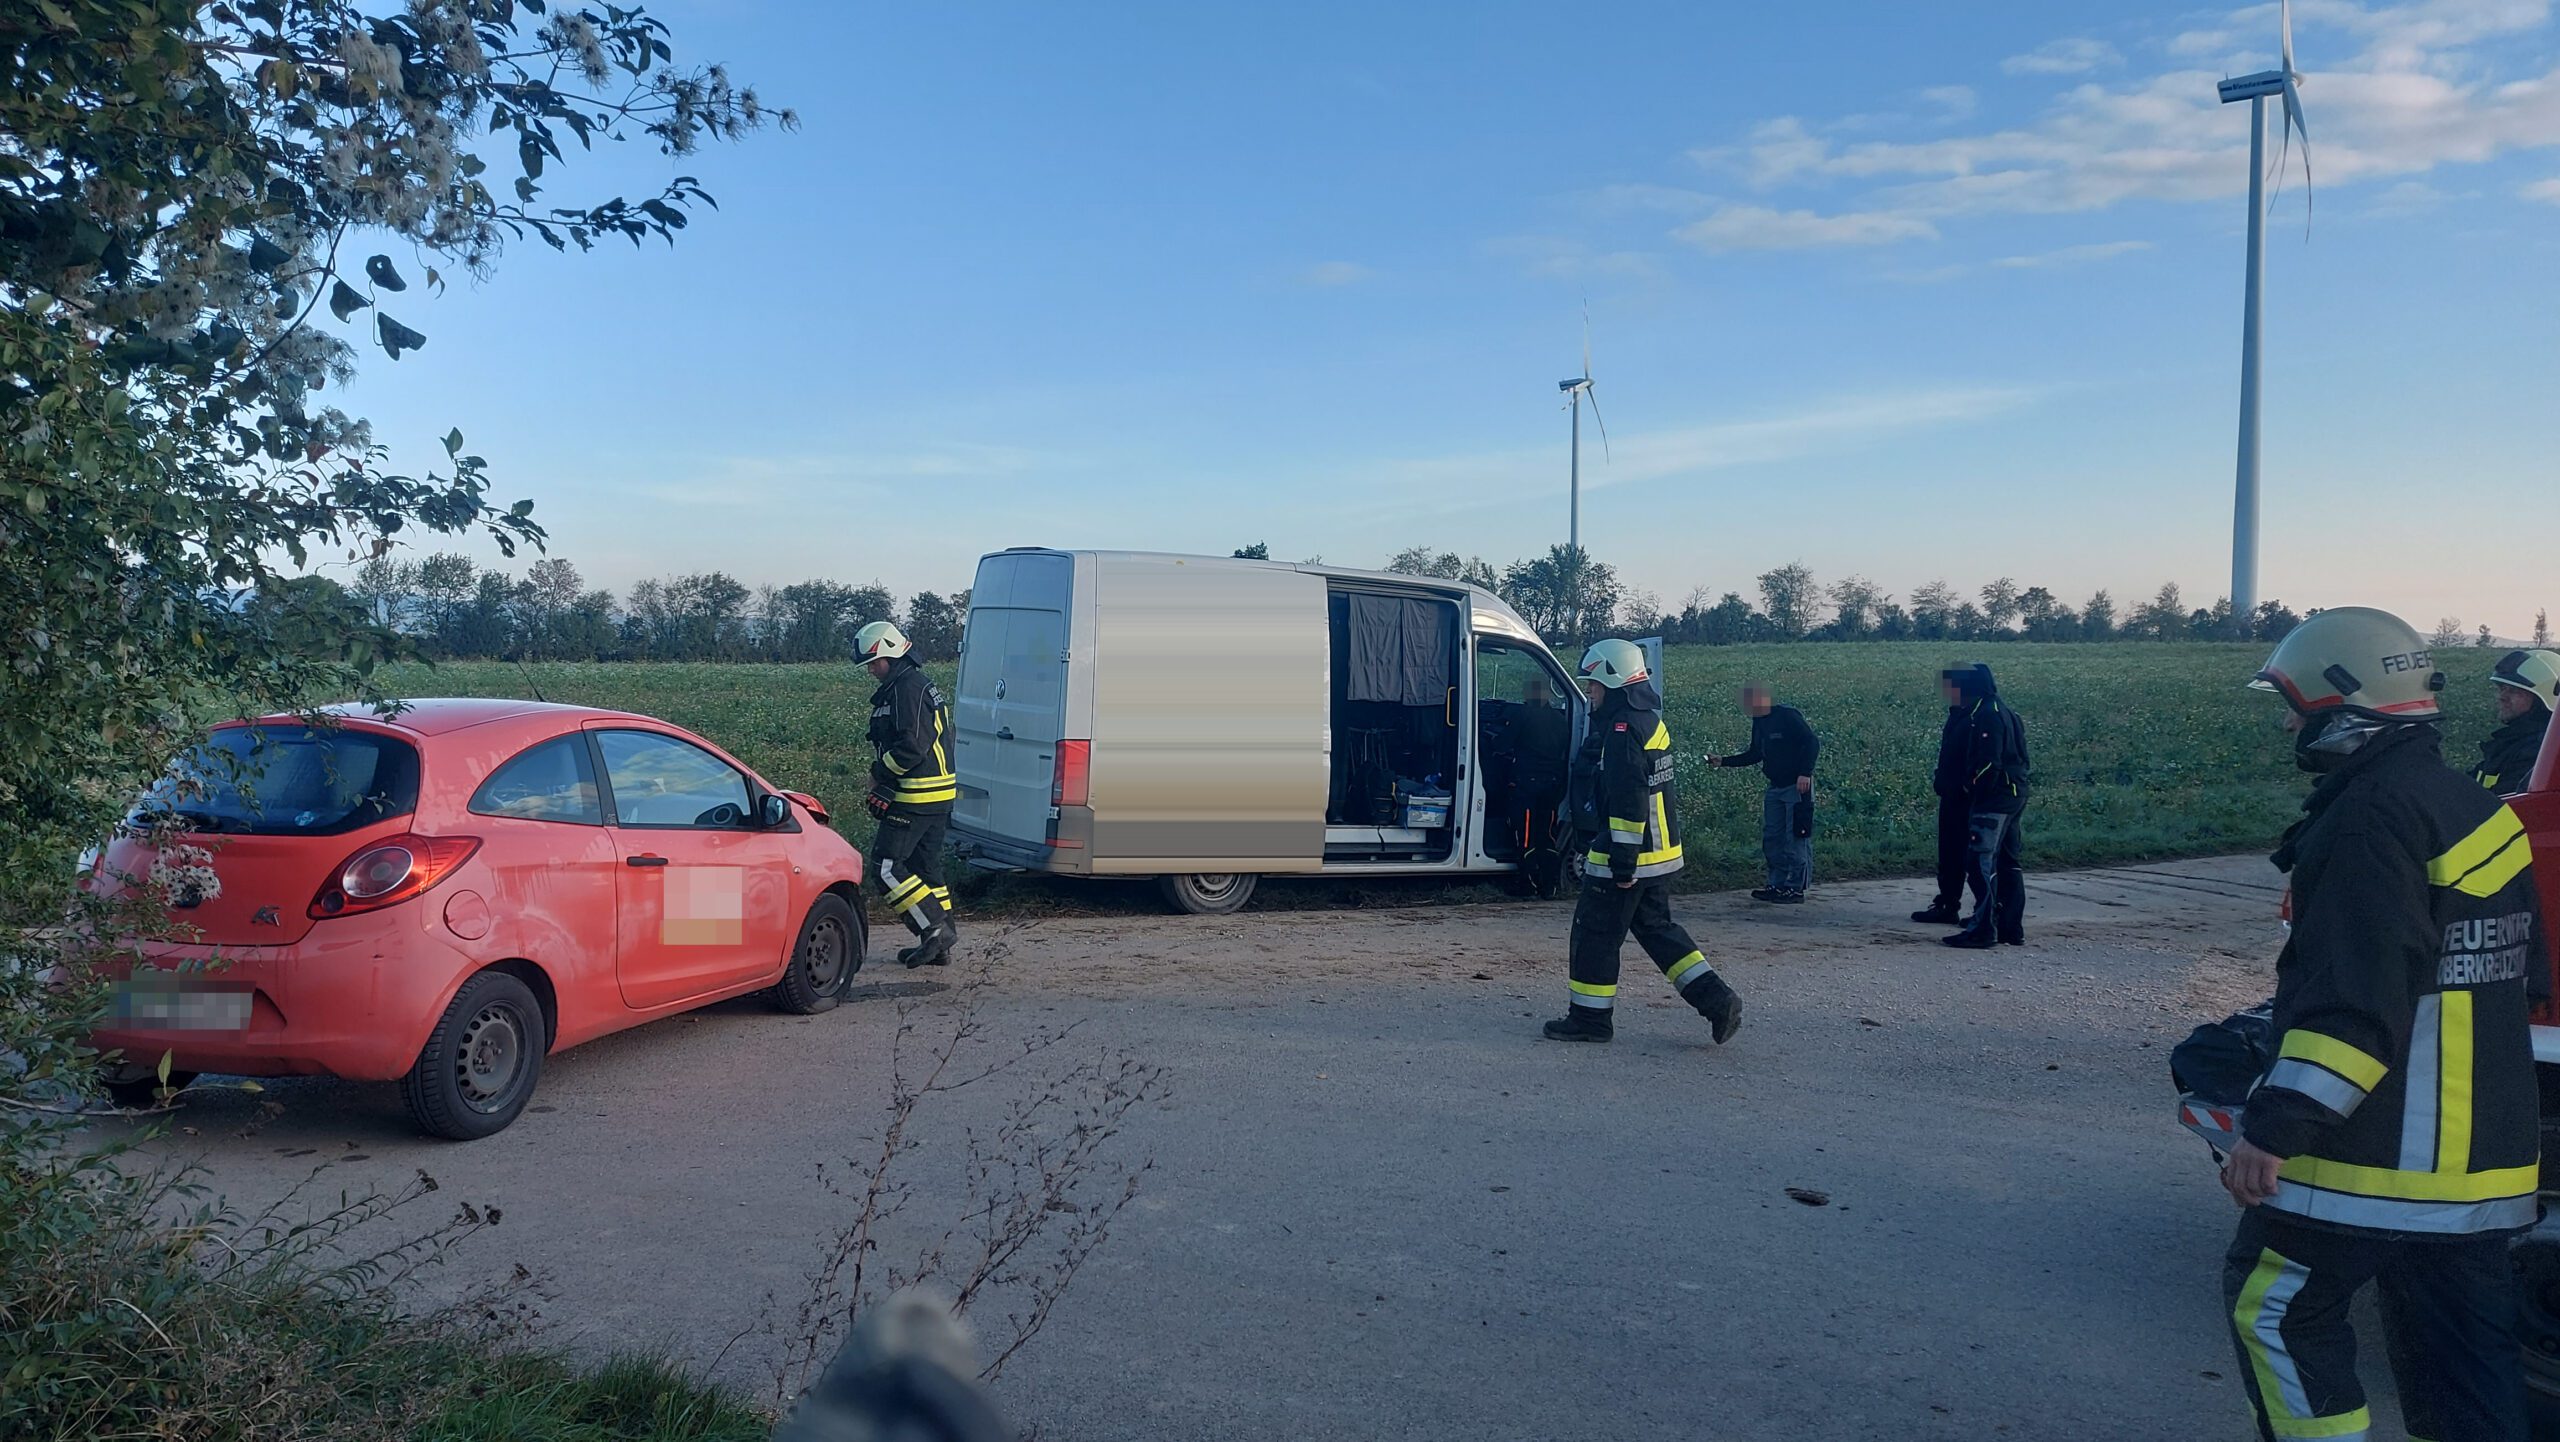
x,y
1758,227
1333,274
2073,255
1638,198
1954,101
2393,92
2062,57
1479,480
1558,258
2409,197
2546,191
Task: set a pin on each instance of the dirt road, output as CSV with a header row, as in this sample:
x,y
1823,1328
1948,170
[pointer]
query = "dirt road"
x,y
1381,1207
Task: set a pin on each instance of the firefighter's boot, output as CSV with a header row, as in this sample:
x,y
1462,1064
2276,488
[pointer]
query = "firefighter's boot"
x,y
1716,1002
1581,1023
933,948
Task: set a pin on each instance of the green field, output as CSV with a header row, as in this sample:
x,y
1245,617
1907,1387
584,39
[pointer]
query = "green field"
x,y
2142,750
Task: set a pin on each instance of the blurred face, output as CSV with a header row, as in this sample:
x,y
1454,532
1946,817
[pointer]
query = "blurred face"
x,y
2513,702
1594,692
878,666
1537,692
2292,721
1952,693
1755,700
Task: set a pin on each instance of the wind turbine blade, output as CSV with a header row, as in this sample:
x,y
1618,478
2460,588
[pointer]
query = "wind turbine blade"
x,y
1586,344
2284,8
2293,125
1604,425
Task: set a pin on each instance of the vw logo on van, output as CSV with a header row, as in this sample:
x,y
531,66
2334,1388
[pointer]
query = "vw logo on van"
x,y
999,688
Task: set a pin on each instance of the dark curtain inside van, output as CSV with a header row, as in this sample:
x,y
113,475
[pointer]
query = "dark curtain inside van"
x,y
1400,650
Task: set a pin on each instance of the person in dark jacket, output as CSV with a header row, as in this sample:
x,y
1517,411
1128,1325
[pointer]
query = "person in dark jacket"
x,y
1625,801
2528,685
1992,781
1946,781
912,788
2394,1138
1541,754
1784,748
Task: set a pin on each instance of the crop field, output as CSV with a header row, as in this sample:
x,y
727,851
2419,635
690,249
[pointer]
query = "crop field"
x,y
2142,750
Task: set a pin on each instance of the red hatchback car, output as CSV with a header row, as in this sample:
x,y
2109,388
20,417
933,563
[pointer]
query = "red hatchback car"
x,y
443,897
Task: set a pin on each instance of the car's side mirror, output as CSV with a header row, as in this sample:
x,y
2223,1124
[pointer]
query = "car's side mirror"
x,y
774,810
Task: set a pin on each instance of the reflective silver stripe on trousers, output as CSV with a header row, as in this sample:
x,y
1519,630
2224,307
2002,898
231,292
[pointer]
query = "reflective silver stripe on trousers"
x,y
1684,972
2390,1214
2318,1083
1596,1003
2425,1082
2267,1325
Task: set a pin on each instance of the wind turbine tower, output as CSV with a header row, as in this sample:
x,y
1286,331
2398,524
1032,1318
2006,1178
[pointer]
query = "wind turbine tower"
x,y
2257,89
1577,389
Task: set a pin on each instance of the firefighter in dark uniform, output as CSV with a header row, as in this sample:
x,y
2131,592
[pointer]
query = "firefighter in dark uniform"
x,y
1542,750
2528,686
1946,781
912,788
1625,801
2394,1140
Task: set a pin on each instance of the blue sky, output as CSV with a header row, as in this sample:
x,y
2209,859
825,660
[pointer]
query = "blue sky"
x,y
1916,292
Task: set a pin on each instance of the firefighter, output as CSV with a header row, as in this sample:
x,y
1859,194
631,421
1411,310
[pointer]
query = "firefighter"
x,y
2528,684
1625,801
2394,1138
912,788
1992,784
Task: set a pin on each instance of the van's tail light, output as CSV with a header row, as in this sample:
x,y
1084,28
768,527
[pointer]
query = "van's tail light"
x,y
387,873
1074,783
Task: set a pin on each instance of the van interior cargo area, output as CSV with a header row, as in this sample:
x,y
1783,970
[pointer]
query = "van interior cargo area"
x,y
1395,736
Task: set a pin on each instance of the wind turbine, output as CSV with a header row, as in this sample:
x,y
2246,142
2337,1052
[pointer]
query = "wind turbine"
x,y
2282,82
1577,389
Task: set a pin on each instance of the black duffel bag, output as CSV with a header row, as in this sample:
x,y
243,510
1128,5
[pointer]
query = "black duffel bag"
x,y
2222,1061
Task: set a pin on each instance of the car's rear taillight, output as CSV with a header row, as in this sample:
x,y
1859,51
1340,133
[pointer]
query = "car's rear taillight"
x,y
1073,785
387,873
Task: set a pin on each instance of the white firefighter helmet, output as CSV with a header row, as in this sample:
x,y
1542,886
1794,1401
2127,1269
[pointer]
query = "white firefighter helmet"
x,y
880,641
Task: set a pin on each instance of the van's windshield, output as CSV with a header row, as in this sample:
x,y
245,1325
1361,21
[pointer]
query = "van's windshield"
x,y
285,780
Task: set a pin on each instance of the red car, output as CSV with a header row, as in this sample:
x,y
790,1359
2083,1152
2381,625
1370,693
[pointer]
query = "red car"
x,y
442,898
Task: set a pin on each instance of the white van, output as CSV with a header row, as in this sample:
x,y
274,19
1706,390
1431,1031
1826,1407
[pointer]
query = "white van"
x,y
1209,721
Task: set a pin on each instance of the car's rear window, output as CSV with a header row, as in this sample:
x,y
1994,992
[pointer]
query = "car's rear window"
x,y
287,780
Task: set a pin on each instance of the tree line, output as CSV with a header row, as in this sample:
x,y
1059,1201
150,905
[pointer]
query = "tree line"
x,y
456,609
1570,596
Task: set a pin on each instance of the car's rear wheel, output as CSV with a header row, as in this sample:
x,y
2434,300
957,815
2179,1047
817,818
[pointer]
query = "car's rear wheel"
x,y
482,1061
824,959
1204,893
136,1087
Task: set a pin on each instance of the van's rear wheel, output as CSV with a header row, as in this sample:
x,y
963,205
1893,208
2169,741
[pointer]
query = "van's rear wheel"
x,y
1208,893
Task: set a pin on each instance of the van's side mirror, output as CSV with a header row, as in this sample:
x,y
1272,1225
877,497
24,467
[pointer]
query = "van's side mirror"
x,y
774,810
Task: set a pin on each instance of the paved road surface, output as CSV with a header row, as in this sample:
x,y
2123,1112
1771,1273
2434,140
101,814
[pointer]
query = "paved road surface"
x,y
1381,1207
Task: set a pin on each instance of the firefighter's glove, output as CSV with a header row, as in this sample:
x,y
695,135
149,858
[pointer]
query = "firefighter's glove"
x,y
877,803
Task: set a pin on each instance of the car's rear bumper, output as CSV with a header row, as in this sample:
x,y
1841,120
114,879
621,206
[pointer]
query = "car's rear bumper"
x,y
354,998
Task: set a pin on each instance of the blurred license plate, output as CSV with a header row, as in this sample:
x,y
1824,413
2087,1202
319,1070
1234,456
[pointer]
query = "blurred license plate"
x,y
167,1006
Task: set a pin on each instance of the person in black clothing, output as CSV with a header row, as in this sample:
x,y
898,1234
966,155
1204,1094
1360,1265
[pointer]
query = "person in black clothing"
x,y
2527,683
1992,782
1947,781
1784,748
